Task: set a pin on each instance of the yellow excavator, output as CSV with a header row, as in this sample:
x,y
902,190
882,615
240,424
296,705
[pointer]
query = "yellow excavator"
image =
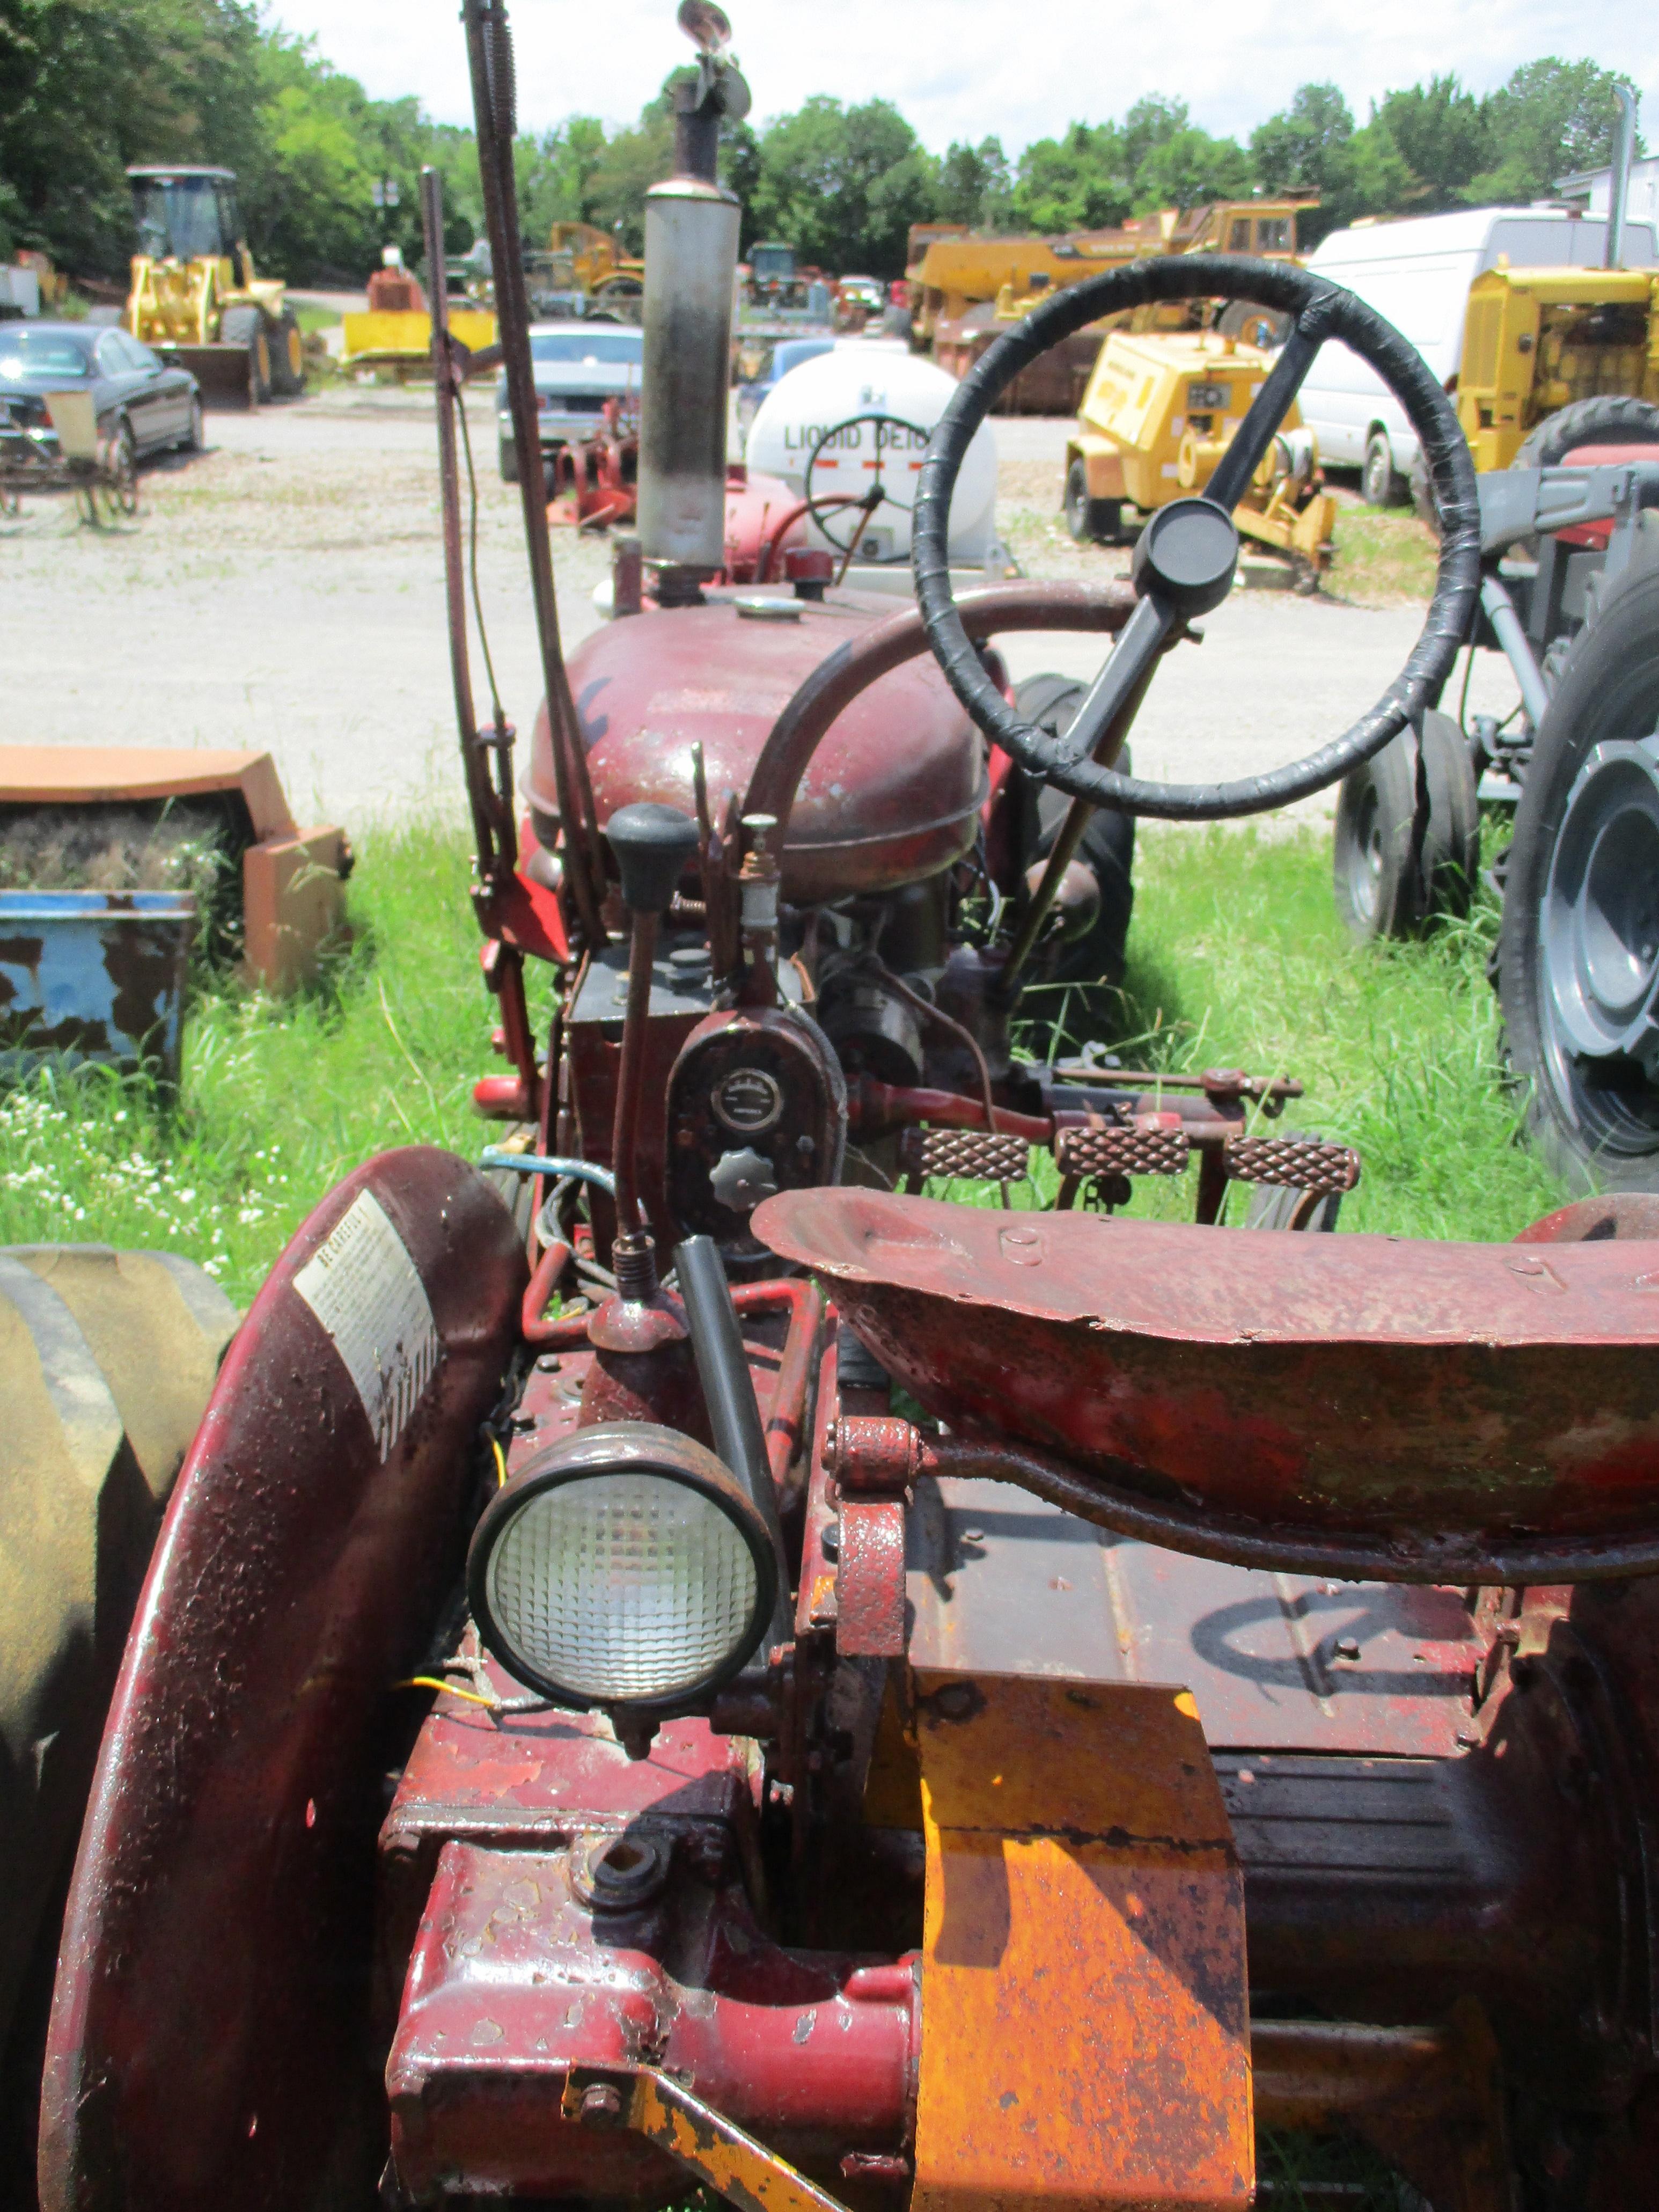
x,y
195,297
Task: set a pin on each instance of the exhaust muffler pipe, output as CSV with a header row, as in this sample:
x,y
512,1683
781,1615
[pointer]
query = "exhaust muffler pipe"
x,y
691,286
1623,152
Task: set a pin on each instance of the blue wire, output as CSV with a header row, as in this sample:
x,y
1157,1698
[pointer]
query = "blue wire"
x,y
544,1164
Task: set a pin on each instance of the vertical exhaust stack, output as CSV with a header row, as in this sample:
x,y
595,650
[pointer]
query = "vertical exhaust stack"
x,y
1623,152
690,282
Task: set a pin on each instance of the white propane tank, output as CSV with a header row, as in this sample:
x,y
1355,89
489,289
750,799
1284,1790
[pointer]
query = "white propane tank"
x,y
862,381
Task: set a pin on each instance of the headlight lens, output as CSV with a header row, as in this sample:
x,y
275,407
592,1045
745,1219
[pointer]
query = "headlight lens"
x,y
625,1567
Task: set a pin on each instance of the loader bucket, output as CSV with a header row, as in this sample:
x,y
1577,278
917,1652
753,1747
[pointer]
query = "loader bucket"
x,y
225,372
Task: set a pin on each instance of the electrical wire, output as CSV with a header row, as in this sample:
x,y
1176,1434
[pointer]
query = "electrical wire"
x,y
500,1462
498,714
433,1682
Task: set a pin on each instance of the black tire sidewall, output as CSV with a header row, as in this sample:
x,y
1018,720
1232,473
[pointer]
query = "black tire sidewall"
x,y
1609,418
1076,504
1369,470
1609,684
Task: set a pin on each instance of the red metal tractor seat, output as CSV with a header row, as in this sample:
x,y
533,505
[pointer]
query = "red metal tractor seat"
x,y
1355,1386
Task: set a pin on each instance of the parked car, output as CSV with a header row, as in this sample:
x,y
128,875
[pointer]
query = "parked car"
x,y
786,354
1417,274
139,399
578,367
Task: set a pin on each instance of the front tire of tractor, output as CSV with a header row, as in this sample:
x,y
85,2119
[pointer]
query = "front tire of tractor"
x,y
245,327
1393,877
1380,484
285,343
106,1362
507,458
1091,521
1578,954
1050,702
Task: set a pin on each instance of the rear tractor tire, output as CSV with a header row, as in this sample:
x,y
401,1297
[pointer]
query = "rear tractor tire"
x,y
1394,875
106,1363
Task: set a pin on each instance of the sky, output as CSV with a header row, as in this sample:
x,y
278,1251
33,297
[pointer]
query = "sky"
x,y
969,69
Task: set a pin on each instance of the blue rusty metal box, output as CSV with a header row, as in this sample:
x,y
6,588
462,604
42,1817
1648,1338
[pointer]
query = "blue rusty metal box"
x,y
92,976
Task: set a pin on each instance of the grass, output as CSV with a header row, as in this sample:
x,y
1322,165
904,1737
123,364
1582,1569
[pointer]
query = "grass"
x,y
1382,558
1237,958
278,1100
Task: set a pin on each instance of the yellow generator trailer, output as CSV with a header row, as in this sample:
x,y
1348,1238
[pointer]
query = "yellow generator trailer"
x,y
1536,341
1160,409
195,297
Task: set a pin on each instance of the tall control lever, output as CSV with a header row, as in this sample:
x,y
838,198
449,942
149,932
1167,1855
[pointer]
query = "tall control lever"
x,y
652,845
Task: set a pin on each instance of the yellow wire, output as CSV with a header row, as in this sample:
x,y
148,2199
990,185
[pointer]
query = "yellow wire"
x,y
500,1461
431,1682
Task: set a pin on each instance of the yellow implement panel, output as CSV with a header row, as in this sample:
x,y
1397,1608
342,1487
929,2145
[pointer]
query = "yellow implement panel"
x,y
384,336
1086,2033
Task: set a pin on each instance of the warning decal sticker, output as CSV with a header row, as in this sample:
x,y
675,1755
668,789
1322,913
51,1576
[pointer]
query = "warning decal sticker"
x,y
362,1285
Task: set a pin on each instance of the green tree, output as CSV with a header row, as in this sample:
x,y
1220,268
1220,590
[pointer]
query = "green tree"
x,y
1439,130
1301,149
1081,181
1190,167
972,184
1550,118
842,184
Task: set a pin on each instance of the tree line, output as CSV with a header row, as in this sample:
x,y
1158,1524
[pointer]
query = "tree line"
x,y
89,86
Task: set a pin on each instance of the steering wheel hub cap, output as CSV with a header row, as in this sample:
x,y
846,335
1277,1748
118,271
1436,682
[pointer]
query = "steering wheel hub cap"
x,y
1188,553
1600,924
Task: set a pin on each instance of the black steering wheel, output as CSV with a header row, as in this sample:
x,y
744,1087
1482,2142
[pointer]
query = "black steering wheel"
x,y
862,504
1187,552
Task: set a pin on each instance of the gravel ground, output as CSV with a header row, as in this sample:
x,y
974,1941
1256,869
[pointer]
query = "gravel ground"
x,y
283,591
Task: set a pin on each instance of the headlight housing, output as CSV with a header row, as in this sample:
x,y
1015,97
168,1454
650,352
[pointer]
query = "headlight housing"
x,y
625,1567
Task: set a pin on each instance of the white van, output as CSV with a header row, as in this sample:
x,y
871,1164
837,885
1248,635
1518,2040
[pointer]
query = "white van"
x,y
1417,274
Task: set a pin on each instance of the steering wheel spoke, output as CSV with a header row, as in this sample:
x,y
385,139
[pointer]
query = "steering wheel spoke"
x,y
1248,447
1187,552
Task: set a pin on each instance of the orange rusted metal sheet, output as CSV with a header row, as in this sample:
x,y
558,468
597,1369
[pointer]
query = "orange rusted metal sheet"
x,y
81,775
292,904
1086,2033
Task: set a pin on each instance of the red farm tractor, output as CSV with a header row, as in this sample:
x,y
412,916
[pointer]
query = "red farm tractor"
x,y
726,1677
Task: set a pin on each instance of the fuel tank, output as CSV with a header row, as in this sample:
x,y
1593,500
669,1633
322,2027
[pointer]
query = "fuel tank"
x,y
892,793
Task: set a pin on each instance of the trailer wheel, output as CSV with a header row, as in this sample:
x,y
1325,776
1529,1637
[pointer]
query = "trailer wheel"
x,y
507,458
106,1361
1050,702
1271,1208
1091,521
1393,877
1578,954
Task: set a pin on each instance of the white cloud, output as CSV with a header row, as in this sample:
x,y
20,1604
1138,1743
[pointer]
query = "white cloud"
x,y
964,69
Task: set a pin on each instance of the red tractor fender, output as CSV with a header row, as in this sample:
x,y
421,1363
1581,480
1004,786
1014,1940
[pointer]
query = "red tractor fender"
x,y
209,2024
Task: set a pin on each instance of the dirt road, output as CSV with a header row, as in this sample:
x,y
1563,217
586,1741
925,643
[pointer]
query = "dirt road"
x,y
283,591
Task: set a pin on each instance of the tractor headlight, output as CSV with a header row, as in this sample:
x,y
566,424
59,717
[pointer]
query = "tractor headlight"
x,y
624,1566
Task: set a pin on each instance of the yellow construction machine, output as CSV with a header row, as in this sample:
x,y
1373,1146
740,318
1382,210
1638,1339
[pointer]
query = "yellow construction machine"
x,y
1160,409
965,290
195,297
612,282
1539,340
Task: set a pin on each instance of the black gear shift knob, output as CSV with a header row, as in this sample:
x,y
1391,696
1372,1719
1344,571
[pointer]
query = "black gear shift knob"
x,y
652,844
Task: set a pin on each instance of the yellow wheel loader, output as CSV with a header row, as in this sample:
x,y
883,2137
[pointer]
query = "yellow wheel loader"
x,y
195,297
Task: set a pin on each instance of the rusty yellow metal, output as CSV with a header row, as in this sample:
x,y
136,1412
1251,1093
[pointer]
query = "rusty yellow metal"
x,y
718,2152
1085,2013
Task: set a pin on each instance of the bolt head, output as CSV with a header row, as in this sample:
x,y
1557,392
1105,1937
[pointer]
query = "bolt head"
x,y
601,2103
